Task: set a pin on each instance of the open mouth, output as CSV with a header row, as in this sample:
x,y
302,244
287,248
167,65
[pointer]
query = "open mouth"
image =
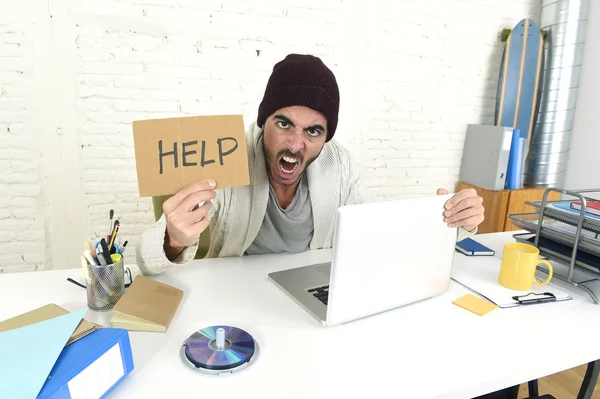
x,y
288,165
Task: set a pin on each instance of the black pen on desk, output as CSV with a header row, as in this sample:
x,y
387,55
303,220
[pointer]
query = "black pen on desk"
x,y
75,282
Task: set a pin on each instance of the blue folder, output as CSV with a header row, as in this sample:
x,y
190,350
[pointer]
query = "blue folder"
x,y
94,364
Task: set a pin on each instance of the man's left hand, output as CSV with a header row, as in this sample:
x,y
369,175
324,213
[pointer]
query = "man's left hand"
x,y
465,209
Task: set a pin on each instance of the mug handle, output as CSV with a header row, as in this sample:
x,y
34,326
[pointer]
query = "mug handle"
x,y
550,273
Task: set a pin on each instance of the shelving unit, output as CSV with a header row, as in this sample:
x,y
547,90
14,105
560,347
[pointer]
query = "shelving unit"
x,y
499,204
568,237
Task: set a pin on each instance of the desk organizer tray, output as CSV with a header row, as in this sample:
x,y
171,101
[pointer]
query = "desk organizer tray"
x,y
561,211
565,235
557,231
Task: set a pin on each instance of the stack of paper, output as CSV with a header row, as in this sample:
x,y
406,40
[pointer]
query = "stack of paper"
x,y
481,276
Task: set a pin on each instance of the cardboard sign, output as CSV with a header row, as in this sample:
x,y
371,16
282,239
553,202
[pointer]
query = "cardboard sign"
x,y
173,153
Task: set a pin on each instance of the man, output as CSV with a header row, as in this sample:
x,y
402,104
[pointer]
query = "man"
x,y
299,176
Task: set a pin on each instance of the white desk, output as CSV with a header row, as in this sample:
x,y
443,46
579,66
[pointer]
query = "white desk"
x,y
431,349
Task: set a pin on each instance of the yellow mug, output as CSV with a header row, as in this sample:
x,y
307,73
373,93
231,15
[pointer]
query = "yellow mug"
x,y
519,263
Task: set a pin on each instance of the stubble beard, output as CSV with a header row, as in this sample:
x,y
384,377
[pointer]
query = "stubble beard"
x,y
269,159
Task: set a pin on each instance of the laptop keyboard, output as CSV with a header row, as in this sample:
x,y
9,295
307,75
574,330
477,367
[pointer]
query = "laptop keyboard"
x,y
321,293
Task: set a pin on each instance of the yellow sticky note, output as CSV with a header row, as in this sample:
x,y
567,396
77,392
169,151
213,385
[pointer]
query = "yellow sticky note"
x,y
474,304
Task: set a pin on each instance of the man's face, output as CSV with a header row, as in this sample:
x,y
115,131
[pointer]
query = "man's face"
x,y
293,138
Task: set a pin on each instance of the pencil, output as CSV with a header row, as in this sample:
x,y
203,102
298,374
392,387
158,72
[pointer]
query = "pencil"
x,y
113,235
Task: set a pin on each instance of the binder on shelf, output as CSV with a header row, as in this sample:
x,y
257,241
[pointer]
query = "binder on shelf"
x,y
485,156
514,171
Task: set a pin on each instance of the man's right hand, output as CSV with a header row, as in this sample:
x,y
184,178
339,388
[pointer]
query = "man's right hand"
x,y
185,219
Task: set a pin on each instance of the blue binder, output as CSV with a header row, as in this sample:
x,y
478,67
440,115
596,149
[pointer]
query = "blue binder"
x,y
514,172
94,364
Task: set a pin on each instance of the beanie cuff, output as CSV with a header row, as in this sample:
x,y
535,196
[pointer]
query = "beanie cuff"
x,y
314,97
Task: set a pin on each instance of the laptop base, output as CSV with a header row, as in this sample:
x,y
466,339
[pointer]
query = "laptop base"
x,y
296,283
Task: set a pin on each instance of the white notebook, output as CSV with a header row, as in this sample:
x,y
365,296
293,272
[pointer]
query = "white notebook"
x,y
481,276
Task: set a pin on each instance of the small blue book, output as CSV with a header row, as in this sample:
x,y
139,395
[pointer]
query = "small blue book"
x,y
470,247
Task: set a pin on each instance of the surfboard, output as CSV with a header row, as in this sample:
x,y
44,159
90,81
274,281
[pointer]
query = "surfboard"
x,y
519,82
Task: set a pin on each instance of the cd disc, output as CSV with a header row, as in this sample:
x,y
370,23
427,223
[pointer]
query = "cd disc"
x,y
205,349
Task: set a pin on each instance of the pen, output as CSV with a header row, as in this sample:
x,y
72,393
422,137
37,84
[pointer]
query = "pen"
x,y
93,251
75,282
534,301
100,257
105,251
549,297
123,247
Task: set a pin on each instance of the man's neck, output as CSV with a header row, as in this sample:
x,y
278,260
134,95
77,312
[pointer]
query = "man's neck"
x,y
284,194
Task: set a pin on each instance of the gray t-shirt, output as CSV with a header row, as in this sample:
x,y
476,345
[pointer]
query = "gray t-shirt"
x,y
285,230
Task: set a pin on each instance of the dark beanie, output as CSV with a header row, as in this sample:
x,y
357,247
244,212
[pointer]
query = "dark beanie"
x,y
302,80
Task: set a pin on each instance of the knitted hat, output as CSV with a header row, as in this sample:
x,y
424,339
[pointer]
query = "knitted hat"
x,y
302,80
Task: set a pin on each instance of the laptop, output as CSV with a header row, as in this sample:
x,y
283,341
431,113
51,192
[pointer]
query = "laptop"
x,y
385,255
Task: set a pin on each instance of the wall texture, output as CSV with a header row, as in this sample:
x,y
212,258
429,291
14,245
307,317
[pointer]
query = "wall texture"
x,y
75,74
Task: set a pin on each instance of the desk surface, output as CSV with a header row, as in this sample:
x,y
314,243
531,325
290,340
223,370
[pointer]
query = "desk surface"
x,y
431,349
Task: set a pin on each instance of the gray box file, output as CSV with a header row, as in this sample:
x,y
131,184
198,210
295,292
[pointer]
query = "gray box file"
x,y
485,156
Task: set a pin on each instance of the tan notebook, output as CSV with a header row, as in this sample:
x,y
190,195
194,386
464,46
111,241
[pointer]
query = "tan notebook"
x,y
147,305
44,313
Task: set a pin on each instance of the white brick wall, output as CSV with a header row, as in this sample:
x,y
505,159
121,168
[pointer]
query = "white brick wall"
x,y
22,244
75,74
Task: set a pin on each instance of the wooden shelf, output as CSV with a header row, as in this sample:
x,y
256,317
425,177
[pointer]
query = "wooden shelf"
x,y
499,204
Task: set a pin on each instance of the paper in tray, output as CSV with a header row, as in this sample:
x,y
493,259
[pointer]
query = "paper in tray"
x,y
557,231
584,259
567,208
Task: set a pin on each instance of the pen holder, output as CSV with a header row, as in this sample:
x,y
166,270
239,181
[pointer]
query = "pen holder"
x,y
105,286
